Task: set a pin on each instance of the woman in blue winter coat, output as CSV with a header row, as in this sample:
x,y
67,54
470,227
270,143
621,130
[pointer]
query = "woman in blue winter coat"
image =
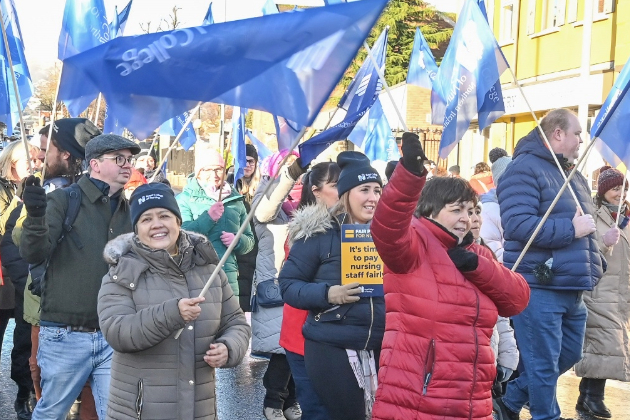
x,y
343,332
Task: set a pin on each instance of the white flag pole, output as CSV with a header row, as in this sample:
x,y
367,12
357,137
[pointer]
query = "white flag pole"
x,y
191,115
17,95
551,207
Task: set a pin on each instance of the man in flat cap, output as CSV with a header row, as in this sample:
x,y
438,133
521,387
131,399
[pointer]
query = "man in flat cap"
x,y
72,348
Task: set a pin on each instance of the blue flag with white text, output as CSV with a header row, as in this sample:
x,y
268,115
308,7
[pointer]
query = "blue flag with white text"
x,y
120,21
285,64
422,67
471,67
9,112
208,19
173,126
374,135
263,151
84,27
357,100
238,142
612,124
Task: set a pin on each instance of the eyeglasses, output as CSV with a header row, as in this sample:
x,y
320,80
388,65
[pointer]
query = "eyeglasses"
x,y
120,159
216,170
251,162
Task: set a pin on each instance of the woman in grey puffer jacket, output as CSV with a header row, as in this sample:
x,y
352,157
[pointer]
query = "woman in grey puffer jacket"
x,y
149,294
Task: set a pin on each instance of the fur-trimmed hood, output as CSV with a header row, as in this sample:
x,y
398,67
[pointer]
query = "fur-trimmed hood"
x,y
309,221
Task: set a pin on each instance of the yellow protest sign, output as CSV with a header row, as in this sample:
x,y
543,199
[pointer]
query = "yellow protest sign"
x,y
360,261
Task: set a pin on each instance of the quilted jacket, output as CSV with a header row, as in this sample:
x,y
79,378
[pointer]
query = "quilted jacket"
x,y
436,361
528,186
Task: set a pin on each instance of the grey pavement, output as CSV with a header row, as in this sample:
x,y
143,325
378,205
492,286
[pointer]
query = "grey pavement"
x,y
240,392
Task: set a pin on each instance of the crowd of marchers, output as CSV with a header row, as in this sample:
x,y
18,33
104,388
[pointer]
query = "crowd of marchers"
x,y
123,312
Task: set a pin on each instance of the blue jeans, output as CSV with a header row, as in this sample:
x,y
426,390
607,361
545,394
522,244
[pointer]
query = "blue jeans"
x,y
67,360
312,407
549,334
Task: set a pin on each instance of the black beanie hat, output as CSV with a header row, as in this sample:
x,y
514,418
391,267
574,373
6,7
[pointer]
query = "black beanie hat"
x,y
151,196
250,150
355,170
72,134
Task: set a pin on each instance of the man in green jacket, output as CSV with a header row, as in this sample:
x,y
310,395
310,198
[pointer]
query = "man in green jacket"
x,y
72,348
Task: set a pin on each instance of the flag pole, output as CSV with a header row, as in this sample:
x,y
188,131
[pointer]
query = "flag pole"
x,y
551,207
382,77
331,118
191,115
245,224
225,156
98,109
17,95
546,140
53,115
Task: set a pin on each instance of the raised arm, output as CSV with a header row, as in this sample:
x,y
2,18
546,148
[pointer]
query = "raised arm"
x,y
203,224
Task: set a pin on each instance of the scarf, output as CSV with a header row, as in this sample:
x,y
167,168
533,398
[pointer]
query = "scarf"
x,y
623,221
364,368
213,192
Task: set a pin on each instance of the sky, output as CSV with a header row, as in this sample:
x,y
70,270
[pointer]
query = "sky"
x,y
41,20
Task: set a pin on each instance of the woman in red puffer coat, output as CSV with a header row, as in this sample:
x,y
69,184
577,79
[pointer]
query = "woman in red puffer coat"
x,y
443,294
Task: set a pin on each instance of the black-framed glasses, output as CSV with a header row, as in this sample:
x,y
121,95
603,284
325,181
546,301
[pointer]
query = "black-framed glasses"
x,y
251,162
120,159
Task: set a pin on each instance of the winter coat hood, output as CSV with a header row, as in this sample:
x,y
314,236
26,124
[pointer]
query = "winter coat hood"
x,y
309,221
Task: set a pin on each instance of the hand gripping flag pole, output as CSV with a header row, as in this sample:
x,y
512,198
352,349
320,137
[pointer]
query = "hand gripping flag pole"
x,y
17,94
172,146
553,204
546,140
245,224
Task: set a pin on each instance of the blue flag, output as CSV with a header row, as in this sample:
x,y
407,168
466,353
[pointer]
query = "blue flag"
x,y
422,67
374,135
9,112
467,76
84,27
263,151
329,2
357,100
117,27
208,19
612,124
238,142
173,126
285,64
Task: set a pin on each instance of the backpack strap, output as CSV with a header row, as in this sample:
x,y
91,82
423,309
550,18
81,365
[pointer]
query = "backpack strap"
x,y
74,194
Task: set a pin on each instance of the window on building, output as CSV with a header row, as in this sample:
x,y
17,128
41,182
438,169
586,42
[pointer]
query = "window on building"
x,y
506,30
549,14
603,6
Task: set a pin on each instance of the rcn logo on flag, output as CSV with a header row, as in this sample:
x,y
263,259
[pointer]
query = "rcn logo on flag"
x,y
470,49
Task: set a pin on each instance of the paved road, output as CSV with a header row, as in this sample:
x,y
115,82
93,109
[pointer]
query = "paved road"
x,y
240,391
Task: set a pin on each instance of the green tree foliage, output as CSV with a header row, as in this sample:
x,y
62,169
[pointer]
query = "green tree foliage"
x,y
402,17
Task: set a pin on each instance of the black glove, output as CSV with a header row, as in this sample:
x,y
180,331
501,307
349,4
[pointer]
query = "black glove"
x,y
463,259
296,170
34,197
413,155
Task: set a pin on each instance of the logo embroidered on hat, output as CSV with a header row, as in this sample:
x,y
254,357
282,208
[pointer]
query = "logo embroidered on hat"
x,y
150,197
364,177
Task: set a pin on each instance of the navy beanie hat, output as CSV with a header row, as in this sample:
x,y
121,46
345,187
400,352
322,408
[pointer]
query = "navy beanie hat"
x,y
355,170
151,196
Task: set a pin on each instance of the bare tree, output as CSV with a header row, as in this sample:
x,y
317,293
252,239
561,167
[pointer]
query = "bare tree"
x,y
171,23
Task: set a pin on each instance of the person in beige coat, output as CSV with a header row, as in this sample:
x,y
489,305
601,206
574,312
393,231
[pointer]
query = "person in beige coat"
x,y
606,349
148,295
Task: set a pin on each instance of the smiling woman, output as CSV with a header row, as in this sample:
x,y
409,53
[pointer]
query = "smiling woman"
x,y
151,292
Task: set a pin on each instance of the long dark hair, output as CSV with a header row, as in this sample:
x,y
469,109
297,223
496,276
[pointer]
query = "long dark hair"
x,y
319,175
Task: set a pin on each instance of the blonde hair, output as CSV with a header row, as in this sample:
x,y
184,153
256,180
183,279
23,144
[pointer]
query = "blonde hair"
x,y
249,186
11,154
343,206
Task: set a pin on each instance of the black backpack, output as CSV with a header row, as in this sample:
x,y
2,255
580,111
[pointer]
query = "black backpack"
x,y
38,271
